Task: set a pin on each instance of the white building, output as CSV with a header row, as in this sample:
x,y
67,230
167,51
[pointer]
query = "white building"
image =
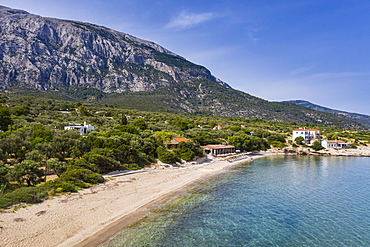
x,y
80,128
218,149
334,144
307,134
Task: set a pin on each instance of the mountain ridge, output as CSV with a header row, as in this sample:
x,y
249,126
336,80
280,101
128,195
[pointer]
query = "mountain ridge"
x,y
52,54
361,118
88,62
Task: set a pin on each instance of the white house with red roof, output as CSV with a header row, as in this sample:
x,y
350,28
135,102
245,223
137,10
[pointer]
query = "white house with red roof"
x,y
307,134
334,144
218,127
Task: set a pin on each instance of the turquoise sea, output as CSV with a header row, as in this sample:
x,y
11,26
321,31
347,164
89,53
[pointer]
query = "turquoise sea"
x,y
273,201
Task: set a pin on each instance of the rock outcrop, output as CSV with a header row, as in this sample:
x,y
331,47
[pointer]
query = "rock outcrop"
x,y
52,54
359,151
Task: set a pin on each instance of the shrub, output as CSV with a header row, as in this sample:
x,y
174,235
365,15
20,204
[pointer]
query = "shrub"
x,y
25,194
186,154
235,128
133,166
62,186
78,176
277,144
167,157
94,178
299,139
317,146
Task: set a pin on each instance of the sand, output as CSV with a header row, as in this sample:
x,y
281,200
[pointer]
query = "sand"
x,y
91,216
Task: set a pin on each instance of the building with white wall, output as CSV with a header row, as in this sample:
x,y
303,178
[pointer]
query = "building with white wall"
x,y
307,134
218,149
83,129
334,144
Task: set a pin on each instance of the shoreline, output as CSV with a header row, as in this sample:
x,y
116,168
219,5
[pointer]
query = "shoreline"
x,y
92,216
111,230
114,228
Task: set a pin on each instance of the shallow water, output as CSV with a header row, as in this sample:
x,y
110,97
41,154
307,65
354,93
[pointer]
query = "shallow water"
x,y
275,201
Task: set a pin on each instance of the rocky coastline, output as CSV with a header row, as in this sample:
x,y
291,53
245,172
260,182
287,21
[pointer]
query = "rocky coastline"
x,y
358,151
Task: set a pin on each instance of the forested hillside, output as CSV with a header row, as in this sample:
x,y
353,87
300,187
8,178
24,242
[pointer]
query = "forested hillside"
x,y
34,145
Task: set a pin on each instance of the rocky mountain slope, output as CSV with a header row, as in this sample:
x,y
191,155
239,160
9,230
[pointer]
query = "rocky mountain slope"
x,y
82,61
201,96
361,118
52,54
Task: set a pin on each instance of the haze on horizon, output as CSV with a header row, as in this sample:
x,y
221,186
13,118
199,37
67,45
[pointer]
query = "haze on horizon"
x,y
277,50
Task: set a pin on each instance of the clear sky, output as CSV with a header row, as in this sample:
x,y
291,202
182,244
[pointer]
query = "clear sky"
x,y
315,50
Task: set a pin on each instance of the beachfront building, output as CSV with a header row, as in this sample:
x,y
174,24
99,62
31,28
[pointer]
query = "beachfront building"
x,y
307,134
218,149
175,143
335,144
83,129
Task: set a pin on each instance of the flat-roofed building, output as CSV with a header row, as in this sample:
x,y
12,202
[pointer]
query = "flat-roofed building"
x,y
83,129
218,149
335,144
307,134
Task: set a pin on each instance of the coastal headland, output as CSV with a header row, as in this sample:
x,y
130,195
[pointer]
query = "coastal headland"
x,y
91,216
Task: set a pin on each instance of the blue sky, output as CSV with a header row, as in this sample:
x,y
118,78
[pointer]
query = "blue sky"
x,y
313,50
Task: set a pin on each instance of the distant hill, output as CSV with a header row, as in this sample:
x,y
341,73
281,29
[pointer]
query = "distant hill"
x,y
361,118
201,96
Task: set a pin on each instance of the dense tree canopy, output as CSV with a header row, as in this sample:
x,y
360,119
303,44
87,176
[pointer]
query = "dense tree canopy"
x,y
5,118
33,142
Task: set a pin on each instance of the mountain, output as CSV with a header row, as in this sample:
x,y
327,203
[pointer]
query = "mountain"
x,y
52,54
86,62
361,118
201,96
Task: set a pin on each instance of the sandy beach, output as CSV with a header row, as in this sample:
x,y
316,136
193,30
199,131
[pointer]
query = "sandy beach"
x,y
91,216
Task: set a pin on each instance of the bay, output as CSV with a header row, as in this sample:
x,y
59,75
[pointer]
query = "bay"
x,y
273,201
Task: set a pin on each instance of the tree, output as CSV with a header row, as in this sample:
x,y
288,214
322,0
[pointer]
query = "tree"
x,y
163,136
57,166
5,118
299,139
245,142
28,171
123,119
100,163
41,134
332,136
186,154
276,137
140,123
3,156
83,111
188,150
21,110
34,155
316,145
235,128
167,157
4,173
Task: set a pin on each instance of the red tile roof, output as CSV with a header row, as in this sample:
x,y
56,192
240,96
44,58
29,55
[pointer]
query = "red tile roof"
x,y
181,139
218,146
335,141
306,130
